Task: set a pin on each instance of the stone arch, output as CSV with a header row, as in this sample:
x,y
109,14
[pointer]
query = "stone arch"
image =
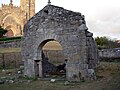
x,y
43,43
53,50
13,22
69,29
11,15
40,59
39,50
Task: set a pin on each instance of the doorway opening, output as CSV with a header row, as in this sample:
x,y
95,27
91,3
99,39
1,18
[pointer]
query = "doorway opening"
x,y
53,61
10,33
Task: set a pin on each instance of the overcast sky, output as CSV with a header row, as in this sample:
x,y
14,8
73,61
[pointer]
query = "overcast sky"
x,y
102,16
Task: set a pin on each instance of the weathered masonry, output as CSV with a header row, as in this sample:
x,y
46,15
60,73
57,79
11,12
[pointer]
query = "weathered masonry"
x,y
13,18
68,28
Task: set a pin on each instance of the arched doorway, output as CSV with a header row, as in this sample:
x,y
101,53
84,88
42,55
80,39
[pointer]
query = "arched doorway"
x,y
52,57
10,32
12,24
54,51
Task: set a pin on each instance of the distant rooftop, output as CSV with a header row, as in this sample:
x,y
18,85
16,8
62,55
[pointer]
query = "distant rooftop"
x,y
118,41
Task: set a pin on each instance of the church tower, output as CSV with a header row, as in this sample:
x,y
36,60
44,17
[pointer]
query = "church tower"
x,y
28,6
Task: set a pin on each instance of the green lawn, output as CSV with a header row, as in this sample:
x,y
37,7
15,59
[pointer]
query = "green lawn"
x,y
7,50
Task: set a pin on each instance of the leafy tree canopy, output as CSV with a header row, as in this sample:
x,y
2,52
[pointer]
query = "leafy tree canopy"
x,y
105,42
2,31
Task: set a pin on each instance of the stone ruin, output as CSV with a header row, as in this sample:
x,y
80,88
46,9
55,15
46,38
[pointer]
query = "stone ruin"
x,y
55,23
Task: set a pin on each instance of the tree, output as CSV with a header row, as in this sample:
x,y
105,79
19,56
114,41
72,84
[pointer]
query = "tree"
x,y
2,31
104,42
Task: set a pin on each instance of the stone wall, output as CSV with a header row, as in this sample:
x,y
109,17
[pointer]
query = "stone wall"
x,y
10,60
14,59
110,53
10,44
54,56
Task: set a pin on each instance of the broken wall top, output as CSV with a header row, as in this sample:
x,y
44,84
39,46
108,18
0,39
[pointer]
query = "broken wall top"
x,y
56,14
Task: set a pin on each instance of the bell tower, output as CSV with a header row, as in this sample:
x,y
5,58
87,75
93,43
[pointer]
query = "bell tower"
x,y
28,6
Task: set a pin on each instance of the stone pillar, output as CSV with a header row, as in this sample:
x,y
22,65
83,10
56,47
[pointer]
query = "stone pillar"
x,y
40,69
76,72
29,69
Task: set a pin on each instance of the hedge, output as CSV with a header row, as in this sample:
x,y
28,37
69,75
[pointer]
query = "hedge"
x,y
10,38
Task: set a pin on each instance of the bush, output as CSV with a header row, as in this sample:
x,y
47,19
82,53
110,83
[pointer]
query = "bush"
x,y
2,31
10,38
106,43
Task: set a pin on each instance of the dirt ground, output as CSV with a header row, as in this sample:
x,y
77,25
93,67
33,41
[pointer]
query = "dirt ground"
x,y
108,78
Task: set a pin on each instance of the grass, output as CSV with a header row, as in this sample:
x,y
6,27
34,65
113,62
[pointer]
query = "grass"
x,y
52,45
108,79
7,50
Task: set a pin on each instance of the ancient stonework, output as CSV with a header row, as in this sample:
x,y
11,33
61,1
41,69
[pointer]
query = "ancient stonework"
x,y
113,53
13,18
54,23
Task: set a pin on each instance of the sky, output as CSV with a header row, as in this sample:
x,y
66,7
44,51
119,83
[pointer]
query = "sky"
x,y
102,16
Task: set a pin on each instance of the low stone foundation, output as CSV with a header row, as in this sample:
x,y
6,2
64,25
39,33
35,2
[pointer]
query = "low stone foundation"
x,y
10,44
10,60
110,55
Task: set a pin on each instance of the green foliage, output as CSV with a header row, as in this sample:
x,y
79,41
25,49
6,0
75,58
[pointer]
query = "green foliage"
x,y
2,31
10,38
104,42
30,78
